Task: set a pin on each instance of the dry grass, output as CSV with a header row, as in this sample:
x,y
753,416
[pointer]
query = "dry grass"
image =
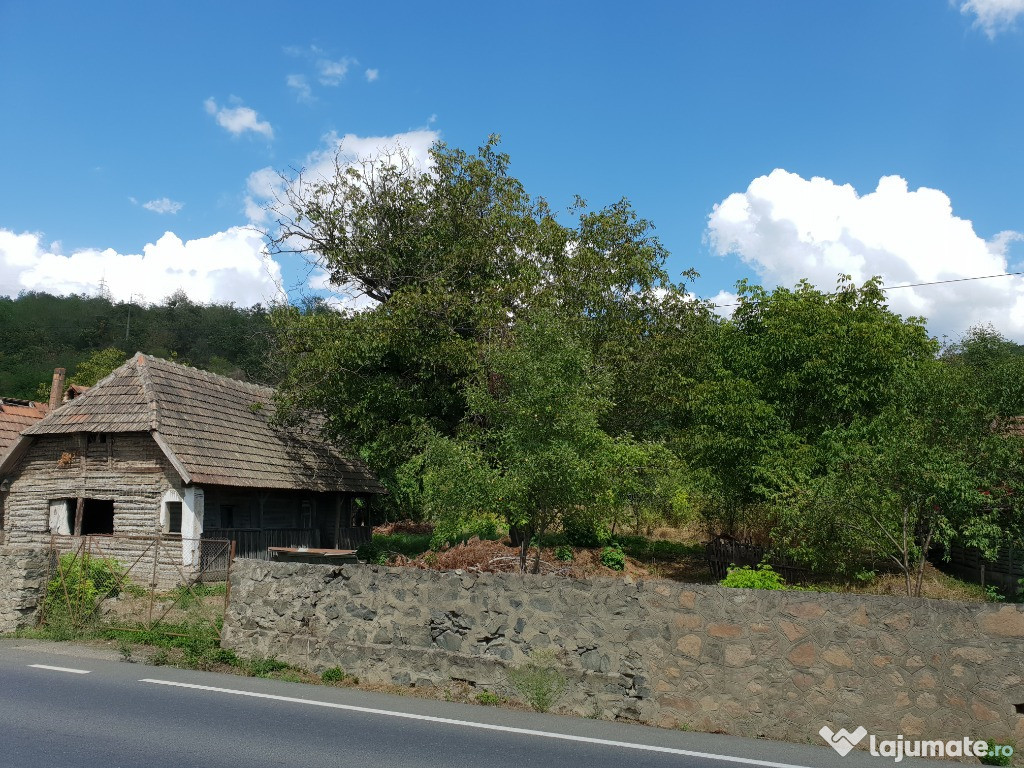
x,y
500,557
935,585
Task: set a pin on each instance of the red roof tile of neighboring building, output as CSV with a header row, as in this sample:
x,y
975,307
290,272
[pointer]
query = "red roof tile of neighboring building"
x,y
16,415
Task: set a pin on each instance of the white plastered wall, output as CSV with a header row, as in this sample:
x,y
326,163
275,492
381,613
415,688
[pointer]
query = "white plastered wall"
x,y
192,507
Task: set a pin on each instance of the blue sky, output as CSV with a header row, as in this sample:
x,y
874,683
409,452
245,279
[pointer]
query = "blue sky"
x,y
754,135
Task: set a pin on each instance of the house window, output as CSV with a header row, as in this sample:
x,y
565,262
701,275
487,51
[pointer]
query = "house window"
x,y
306,514
173,518
97,517
227,515
96,437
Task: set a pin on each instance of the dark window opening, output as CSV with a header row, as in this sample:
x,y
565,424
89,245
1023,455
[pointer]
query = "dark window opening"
x,y
227,515
97,516
96,437
174,517
306,514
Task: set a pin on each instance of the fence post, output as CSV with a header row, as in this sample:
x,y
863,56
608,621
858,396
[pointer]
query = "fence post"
x,y
152,583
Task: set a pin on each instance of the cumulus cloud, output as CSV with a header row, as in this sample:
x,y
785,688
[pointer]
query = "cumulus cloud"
x,y
300,85
344,298
993,16
372,75
230,266
163,205
238,119
266,185
787,228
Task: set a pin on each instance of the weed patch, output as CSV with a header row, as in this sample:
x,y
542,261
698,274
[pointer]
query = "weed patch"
x,y
539,681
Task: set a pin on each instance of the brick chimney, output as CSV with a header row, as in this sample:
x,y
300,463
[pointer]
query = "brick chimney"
x,y
57,387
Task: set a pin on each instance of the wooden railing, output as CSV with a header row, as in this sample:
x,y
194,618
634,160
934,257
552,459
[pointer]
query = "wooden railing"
x,y
254,542
723,552
1006,571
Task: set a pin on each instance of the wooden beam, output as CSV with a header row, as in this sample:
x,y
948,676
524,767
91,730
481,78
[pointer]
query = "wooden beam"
x,y
337,521
79,511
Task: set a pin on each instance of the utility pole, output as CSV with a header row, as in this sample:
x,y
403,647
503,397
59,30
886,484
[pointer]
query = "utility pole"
x,y
128,325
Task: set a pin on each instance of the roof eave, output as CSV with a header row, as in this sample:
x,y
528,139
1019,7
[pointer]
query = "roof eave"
x,y
172,457
14,454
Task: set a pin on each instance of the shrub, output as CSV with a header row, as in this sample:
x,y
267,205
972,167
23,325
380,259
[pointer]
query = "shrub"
x,y
564,552
374,552
613,557
540,682
998,754
73,594
762,577
333,675
488,698
585,531
993,594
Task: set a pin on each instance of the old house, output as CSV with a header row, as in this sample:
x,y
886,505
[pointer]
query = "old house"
x,y
158,449
17,415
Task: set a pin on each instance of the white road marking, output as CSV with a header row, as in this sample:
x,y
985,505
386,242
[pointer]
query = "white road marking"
x,y
61,669
482,726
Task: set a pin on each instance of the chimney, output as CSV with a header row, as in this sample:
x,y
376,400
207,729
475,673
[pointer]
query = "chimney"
x,y
57,387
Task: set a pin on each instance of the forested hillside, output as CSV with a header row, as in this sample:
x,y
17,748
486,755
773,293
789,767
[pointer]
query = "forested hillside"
x,y
39,332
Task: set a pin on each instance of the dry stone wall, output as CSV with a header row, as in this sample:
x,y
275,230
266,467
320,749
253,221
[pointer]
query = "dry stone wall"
x,y
755,663
23,576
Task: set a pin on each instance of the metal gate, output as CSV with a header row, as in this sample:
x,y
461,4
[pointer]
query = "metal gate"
x,y
161,584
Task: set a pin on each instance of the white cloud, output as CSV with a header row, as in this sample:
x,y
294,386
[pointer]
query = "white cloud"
x,y
372,75
993,16
345,298
300,85
163,205
229,266
789,228
237,120
266,184
332,72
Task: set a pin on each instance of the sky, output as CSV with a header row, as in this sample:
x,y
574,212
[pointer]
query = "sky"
x,y
765,141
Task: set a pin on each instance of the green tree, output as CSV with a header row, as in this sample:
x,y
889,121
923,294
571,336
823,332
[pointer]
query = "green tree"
x,y
97,366
532,438
821,360
452,260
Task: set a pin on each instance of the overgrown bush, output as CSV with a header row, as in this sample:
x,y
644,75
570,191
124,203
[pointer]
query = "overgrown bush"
x,y
564,553
74,593
761,577
613,557
998,754
539,681
585,530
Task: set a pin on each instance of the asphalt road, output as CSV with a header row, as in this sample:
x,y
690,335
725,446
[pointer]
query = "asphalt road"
x,y
62,706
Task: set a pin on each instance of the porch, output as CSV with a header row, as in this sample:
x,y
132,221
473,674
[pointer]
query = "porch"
x,y
255,543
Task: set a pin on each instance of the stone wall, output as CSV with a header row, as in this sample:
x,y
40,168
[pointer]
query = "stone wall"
x,y
753,663
23,576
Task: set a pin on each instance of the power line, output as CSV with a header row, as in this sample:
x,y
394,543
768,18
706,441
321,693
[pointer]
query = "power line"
x,y
914,285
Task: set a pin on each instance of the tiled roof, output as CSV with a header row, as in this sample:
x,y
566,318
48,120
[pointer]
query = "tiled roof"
x,y
15,415
214,430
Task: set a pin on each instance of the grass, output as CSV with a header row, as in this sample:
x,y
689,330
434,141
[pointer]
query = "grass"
x,y
936,585
186,597
383,547
665,550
